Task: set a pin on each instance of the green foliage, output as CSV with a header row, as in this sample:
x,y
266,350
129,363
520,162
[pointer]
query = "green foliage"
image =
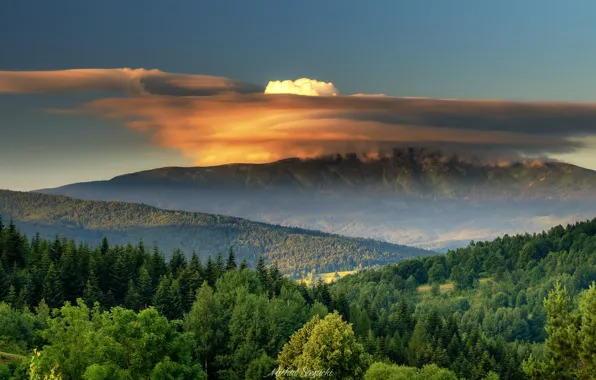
x,y
185,320
90,344
260,368
326,346
383,371
570,349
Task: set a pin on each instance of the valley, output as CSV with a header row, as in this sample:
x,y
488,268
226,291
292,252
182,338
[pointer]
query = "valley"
x,y
390,199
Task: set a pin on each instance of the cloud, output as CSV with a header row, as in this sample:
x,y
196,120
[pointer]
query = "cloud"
x,y
232,127
303,86
126,81
213,120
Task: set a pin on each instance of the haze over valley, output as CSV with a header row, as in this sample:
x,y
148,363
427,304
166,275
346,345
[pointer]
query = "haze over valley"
x,y
392,198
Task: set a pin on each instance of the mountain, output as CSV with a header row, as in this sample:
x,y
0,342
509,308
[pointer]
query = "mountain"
x,y
415,196
296,251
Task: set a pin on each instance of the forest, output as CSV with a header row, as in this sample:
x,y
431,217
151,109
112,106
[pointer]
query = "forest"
x,y
517,307
296,251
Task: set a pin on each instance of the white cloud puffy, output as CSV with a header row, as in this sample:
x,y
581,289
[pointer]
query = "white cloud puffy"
x,y
302,86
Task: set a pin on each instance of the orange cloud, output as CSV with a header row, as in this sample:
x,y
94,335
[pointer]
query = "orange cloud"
x,y
214,120
256,128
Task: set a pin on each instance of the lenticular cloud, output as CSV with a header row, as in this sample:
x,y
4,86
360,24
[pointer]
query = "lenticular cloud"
x,y
216,120
303,86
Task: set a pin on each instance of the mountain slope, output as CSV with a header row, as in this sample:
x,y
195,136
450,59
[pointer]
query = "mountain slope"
x,y
294,250
415,197
409,173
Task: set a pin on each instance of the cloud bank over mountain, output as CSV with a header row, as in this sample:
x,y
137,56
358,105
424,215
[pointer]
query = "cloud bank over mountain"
x,y
215,120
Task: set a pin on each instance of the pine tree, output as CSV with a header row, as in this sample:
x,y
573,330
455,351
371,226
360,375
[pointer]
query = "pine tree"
x,y
231,263
161,299
52,288
105,246
177,300
56,250
119,276
12,296
69,274
145,288
404,318
220,264
92,293
177,263
4,283
369,342
243,264
323,294
157,266
14,252
132,300
211,272
21,301
273,281
395,349
109,300
262,270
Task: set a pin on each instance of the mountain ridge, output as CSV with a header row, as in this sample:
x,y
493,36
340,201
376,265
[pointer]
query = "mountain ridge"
x,y
416,197
295,250
411,173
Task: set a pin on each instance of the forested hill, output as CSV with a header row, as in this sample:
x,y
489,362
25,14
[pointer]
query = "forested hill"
x,y
482,308
518,307
296,251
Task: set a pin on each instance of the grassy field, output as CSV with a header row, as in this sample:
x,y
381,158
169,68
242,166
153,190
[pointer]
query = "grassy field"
x,y
327,277
446,287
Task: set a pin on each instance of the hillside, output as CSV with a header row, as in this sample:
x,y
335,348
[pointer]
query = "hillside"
x,y
295,250
501,309
414,173
390,199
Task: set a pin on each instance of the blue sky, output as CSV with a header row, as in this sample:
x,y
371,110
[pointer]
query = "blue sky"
x,y
519,50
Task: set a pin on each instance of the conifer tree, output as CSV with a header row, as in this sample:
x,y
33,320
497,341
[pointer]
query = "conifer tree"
x,y
177,300
177,263
52,288
21,300
92,293
14,252
4,282
56,249
161,299
157,267
12,296
145,288
262,270
231,263
220,264
105,246
211,272
132,300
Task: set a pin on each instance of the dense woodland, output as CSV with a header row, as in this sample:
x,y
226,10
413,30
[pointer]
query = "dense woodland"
x,y
518,307
296,251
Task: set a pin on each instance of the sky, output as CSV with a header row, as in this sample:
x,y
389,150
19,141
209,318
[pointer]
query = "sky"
x,y
531,51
